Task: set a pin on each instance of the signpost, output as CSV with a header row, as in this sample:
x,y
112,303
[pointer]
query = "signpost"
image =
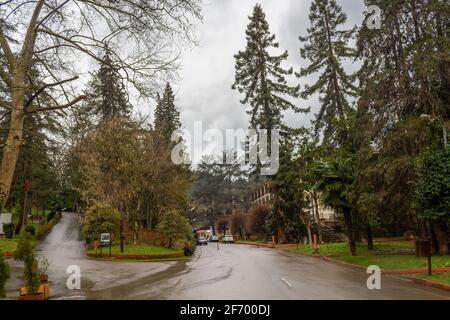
x,y
423,249
105,240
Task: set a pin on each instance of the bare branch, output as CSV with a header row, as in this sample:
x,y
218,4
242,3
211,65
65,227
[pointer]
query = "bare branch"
x,y
49,85
30,37
5,77
6,49
59,107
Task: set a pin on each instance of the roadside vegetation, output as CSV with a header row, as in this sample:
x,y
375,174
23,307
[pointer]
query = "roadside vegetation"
x,y
390,262
342,248
137,249
443,277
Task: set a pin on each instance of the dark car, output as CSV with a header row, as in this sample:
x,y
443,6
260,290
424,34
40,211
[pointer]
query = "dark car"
x,y
214,238
202,241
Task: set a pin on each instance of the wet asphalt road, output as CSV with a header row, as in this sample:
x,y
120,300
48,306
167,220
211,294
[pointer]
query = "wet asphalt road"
x,y
216,271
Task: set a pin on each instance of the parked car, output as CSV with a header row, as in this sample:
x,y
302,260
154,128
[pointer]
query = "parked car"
x,y
228,239
202,241
214,238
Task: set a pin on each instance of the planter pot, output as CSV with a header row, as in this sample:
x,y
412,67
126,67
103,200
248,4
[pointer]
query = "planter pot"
x,y
43,277
37,296
42,294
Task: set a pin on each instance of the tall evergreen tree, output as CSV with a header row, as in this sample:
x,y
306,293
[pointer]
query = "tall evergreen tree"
x,y
405,74
261,77
167,117
326,46
107,94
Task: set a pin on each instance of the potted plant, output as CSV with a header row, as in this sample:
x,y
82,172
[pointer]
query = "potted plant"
x,y
33,289
4,275
43,267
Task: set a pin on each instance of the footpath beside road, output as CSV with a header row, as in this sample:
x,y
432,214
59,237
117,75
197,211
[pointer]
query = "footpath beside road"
x,y
410,274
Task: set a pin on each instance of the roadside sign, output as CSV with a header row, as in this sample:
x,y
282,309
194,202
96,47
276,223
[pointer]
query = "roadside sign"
x,y
5,218
105,239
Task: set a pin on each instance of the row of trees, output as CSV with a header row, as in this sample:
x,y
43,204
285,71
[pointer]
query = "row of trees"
x,y
378,153
98,151
121,161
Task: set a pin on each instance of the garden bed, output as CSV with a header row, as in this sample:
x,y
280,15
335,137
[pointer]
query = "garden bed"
x,y
397,262
343,249
137,252
8,246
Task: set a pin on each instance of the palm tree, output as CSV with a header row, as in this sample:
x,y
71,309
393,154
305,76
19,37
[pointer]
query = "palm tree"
x,y
335,177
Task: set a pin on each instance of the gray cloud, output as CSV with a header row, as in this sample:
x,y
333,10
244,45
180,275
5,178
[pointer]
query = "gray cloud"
x,y
204,93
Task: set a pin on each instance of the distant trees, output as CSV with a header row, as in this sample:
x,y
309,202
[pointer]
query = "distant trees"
x,y
257,221
175,226
167,117
238,225
51,38
219,187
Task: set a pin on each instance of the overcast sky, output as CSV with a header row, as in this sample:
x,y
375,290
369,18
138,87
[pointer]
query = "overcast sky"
x,y
204,92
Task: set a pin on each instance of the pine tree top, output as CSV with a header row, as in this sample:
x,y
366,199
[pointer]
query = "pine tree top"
x,y
261,77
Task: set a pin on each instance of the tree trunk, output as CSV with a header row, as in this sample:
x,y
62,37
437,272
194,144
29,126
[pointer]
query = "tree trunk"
x,y
317,214
12,147
434,238
442,237
349,228
310,242
369,233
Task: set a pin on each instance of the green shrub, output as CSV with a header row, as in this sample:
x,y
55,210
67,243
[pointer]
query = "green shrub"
x,y
25,253
100,218
175,226
51,215
31,230
45,228
190,249
8,229
4,275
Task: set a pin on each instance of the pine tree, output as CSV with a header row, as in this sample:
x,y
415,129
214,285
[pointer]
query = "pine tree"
x,y
326,46
261,77
167,117
107,94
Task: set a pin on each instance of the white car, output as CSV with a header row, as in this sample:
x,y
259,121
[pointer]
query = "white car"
x,y
228,239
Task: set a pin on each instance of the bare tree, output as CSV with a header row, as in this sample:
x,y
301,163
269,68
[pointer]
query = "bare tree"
x,y
51,37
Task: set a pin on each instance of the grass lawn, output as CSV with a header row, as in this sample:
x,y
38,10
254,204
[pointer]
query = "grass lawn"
x,y
342,248
138,249
254,241
397,261
437,277
8,244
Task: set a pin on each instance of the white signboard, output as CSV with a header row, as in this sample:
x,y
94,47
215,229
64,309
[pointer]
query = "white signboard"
x,y
105,239
5,218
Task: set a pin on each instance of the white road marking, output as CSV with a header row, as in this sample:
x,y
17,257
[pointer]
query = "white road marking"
x,y
285,281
